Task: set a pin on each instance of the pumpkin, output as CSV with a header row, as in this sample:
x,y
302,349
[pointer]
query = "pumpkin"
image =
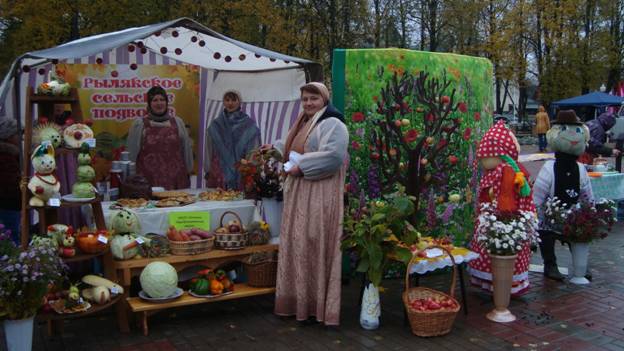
x,y
88,242
117,247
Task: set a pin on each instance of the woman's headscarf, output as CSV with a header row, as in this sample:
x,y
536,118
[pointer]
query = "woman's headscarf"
x,y
320,87
233,135
151,94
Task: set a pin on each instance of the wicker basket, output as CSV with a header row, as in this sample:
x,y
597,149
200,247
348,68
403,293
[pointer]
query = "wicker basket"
x,y
194,247
262,274
231,241
430,323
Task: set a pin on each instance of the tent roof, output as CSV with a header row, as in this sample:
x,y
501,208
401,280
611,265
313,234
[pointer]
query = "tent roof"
x,y
178,34
592,99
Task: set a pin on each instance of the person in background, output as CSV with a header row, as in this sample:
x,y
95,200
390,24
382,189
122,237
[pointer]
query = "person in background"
x,y
230,137
10,173
160,144
542,125
598,138
310,258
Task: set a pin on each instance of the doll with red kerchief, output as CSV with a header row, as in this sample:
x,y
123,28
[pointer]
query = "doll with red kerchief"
x,y
505,181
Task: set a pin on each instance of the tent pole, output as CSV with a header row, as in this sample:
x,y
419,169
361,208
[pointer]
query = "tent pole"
x,y
24,229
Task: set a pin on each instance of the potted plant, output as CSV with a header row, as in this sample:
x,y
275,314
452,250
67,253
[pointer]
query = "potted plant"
x,y
25,277
504,234
261,172
585,223
378,231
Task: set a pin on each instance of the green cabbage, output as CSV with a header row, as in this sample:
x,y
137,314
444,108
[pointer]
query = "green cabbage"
x,y
159,279
83,190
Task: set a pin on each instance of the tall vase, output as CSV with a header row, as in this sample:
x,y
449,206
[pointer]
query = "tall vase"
x,y
371,309
19,334
272,214
502,277
580,253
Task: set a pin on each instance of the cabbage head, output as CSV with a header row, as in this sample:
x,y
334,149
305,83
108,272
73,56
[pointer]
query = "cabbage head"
x,y
159,279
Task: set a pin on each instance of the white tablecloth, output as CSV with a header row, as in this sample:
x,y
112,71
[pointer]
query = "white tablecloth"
x,y
156,220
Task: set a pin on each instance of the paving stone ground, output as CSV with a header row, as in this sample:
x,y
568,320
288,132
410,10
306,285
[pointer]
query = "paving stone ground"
x,y
552,316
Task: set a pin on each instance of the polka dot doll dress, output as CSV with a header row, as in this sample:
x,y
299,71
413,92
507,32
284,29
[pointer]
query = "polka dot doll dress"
x,y
498,184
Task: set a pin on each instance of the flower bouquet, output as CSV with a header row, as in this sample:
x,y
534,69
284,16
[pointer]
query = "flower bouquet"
x,y
261,174
25,276
504,233
586,222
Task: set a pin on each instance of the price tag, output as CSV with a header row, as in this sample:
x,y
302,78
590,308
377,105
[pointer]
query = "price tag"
x,y
102,239
90,142
54,202
80,300
139,240
114,290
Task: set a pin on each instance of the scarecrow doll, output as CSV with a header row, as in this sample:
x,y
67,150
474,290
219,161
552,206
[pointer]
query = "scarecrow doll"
x,y
506,182
564,178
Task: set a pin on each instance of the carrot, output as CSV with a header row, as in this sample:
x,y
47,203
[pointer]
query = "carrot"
x,y
131,245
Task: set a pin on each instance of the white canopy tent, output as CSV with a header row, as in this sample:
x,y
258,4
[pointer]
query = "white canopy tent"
x,y
267,80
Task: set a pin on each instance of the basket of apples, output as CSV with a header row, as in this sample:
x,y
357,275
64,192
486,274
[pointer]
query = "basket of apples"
x,y
430,312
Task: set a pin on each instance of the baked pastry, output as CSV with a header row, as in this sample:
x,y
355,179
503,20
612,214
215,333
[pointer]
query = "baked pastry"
x,y
220,195
169,193
132,203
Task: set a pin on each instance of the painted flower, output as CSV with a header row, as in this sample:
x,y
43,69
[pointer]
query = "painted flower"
x,y
467,134
411,135
462,107
357,117
477,116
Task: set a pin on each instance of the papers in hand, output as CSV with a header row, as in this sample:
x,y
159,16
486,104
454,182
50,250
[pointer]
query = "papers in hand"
x,y
293,160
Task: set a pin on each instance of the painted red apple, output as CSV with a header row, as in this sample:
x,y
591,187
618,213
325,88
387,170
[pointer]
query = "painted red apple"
x,y
453,159
397,123
445,99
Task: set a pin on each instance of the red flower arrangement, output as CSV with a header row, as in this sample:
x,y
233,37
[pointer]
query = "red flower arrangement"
x,y
586,223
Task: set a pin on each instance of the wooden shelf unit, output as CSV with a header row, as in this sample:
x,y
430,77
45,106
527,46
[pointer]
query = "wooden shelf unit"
x,y
123,271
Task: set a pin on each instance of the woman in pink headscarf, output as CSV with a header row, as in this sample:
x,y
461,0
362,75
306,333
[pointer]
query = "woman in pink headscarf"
x,y
310,259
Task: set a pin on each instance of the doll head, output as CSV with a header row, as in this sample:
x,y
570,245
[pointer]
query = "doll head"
x,y
498,141
568,134
43,159
124,221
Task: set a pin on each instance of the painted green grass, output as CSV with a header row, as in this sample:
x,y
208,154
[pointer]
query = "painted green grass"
x,y
368,70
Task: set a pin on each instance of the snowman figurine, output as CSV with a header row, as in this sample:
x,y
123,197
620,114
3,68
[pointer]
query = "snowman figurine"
x,y
44,183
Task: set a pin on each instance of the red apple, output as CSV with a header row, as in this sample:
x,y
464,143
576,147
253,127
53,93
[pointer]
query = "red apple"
x,y
453,159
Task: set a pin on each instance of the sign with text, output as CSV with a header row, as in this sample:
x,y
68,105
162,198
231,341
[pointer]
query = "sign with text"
x,y
113,96
188,220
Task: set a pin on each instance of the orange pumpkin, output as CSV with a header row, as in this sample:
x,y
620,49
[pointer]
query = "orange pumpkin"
x,y
88,241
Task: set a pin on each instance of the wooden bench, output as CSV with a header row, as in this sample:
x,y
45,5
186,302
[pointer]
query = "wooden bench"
x,y
123,271
144,307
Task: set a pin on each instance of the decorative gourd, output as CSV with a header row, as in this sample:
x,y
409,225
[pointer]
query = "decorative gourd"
x,y
118,246
159,279
47,132
83,188
76,134
124,221
44,183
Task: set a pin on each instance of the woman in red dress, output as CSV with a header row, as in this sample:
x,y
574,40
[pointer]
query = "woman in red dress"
x,y
498,153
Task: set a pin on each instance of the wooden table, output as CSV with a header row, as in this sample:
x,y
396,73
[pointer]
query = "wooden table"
x,y
123,271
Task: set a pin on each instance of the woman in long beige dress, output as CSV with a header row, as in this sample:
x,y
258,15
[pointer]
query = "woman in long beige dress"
x,y
310,259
